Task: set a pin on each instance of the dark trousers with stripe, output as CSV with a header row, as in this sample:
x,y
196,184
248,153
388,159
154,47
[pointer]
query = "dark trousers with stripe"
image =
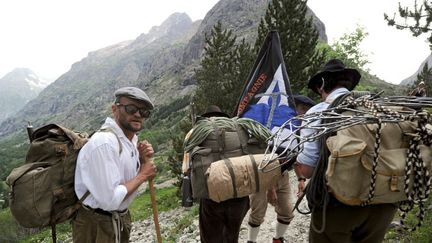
x,y
220,222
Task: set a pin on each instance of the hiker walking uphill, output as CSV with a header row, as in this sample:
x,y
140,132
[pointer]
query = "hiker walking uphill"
x,y
110,168
223,162
338,222
279,196
220,222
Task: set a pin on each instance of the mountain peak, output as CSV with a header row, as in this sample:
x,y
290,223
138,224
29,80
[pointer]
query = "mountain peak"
x,y
173,27
26,77
18,87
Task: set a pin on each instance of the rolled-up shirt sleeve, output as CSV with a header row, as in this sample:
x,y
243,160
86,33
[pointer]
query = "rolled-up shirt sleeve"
x,y
102,177
310,153
311,150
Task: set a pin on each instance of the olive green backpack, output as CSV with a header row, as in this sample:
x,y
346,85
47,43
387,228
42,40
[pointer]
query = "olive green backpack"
x,y
42,189
217,138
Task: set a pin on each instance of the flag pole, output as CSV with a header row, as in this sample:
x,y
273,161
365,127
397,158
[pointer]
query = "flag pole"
x,y
155,210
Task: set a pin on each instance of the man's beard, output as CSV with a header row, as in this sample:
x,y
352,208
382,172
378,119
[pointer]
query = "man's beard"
x,y
125,125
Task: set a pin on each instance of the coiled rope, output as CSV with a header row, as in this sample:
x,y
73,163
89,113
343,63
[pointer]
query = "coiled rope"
x,y
206,126
370,110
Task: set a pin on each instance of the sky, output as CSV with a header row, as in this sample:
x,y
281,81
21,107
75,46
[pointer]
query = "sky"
x,y
48,36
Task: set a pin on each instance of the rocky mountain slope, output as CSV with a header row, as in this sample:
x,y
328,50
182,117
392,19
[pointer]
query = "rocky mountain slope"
x,y
411,79
17,88
162,62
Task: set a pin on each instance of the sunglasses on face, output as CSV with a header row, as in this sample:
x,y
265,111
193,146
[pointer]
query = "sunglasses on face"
x,y
132,109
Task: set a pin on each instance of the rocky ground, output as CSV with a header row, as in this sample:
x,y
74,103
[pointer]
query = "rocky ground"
x,y
144,231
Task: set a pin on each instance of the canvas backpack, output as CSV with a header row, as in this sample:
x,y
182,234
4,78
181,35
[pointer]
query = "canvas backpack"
x,y
355,177
218,138
42,190
375,163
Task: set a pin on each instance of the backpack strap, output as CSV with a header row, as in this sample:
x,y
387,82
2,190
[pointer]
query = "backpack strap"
x,y
229,165
243,139
255,169
220,138
106,129
87,193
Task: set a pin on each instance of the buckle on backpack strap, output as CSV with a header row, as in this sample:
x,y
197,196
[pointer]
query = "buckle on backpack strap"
x,y
394,184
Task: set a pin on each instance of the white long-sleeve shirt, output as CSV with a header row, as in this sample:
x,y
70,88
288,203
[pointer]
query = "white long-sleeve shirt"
x,y
103,170
310,154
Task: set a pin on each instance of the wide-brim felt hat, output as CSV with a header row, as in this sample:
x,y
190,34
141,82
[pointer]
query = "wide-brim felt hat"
x,y
332,67
214,110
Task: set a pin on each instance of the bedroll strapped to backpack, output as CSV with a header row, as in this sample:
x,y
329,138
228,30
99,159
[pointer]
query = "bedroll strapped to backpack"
x,y
239,177
218,138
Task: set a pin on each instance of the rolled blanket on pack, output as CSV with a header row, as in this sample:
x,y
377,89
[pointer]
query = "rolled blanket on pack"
x,y
239,176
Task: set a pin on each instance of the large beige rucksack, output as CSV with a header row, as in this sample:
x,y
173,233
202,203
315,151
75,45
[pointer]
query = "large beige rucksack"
x,y
218,138
351,163
375,163
42,190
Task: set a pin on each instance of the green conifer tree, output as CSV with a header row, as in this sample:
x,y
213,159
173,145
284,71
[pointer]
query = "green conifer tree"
x,y
175,156
224,68
298,37
417,19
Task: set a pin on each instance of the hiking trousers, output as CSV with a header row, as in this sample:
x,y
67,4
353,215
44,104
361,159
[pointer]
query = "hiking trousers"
x,y
352,223
220,222
283,207
89,226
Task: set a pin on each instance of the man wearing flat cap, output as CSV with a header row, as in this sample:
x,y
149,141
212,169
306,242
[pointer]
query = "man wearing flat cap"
x,y
336,222
110,168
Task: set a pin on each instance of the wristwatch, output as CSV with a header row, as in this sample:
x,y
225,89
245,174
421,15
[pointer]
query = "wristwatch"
x,y
301,178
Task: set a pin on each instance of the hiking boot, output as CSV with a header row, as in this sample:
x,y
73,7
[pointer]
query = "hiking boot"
x,y
280,240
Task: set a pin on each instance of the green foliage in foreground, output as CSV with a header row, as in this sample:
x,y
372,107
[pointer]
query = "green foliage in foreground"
x,y
421,235
8,227
166,200
140,209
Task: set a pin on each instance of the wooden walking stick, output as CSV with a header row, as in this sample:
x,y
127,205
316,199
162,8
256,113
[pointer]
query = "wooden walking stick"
x,y
155,211
153,201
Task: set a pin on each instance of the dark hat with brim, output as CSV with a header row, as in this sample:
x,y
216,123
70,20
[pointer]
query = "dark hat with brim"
x,y
332,67
214,110
304,100
136,94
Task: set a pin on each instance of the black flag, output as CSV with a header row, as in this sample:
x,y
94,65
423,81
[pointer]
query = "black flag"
x,y
267,96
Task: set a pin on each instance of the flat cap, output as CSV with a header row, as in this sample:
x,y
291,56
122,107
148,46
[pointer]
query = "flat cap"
x,y
304,100
134,93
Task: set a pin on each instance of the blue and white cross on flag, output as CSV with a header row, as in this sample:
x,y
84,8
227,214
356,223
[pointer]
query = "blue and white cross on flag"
x,y
267,96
